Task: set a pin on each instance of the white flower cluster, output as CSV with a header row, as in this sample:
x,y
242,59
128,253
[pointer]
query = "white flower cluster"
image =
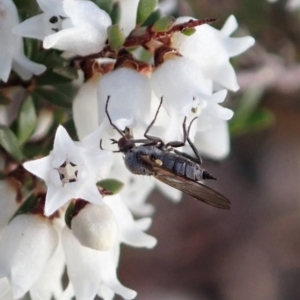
x,y
192,78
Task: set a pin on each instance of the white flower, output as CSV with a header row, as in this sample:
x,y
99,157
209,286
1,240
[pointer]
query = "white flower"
x,y
90,269
128,15
130,96
186,93
77,26
130,232
49,282
211,49
11,50
27,244
85,108
70,171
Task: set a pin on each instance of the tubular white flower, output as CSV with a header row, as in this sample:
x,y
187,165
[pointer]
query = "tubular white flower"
x,y
131,193
214,141
130,232
84,33
187,94
46,23
95,226
11,51
128,15
70,171
88,269
85,108
49,283
70,25
28,240
130,96
211,49
4,288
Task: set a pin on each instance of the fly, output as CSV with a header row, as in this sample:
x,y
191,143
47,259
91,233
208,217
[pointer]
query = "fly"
x,y
176,169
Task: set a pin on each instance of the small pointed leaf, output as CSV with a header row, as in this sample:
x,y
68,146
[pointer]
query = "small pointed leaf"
x,y
155,16
28,205
112,185
104,4
164,24
69,214
189,31
145,8
115,37
26,121
9,142
60,95
115,13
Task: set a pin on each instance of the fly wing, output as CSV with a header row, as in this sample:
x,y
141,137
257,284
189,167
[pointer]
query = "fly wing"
x,y
193,188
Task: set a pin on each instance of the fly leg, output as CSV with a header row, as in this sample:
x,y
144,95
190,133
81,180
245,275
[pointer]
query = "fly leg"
x,y
153,139
199,159
109,119
176,144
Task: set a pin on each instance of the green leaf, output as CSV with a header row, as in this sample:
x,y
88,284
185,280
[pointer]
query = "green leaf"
x,y
115,37
115,13
10,143
145,8
59,95
26,121
259,120
248,103
155,16
57,75
27,207
189,31
69,214
104,4
112,185
164,24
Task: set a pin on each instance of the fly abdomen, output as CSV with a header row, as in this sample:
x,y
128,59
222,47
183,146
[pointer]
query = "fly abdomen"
x,y
168,160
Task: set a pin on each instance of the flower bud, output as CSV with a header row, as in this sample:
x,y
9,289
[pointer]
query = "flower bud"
x,y
95,227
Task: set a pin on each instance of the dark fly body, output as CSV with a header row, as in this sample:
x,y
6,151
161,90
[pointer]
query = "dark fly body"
x,y
174,168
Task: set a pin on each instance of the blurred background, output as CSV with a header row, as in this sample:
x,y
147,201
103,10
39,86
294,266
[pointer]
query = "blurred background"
x,y
251,252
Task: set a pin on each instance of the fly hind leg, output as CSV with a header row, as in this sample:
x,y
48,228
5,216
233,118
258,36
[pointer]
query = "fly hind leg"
x,y
154,139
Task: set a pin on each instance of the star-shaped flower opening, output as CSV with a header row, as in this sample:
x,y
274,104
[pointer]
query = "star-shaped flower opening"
x,y
71,170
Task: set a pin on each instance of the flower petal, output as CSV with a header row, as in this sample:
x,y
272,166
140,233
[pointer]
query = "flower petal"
x,y
31,28
229,26
85,108
78,40
25,67
49,282
129,232
56,198
39,167
63,142
5,67
86,12
90,193
17,255
214,143
236,46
